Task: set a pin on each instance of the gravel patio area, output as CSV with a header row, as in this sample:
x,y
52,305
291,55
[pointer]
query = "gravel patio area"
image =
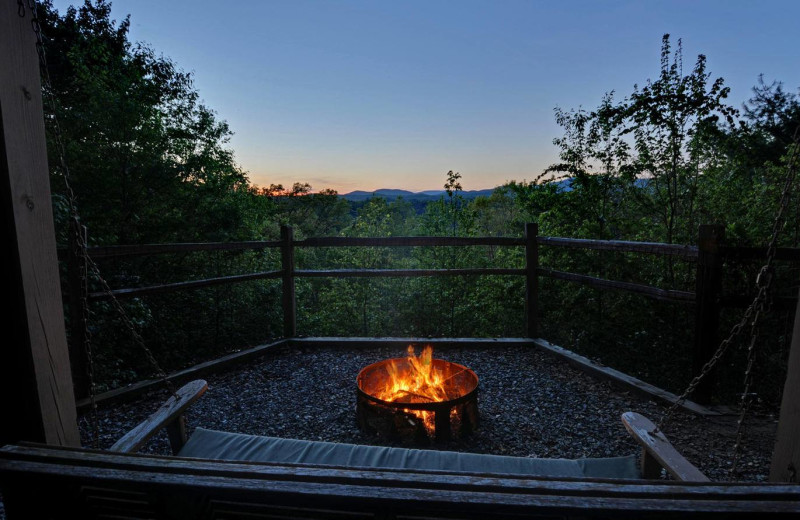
x,y
531,405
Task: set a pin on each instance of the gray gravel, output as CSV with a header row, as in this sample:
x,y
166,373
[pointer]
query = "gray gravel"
x,y
531,405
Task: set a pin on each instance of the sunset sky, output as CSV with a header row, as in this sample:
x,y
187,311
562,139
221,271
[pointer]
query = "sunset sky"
x,y
389,94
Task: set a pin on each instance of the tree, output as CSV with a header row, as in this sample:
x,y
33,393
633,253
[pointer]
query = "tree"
x,y
652,149
148,161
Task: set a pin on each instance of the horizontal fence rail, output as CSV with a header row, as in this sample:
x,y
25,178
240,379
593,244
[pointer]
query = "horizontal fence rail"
x,y
408,273
709,256
600,283
622,246
408,241
177,286
189,247
685,252
653,248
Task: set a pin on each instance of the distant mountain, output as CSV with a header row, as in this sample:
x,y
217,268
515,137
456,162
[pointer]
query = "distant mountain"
x,y
566,184
428,195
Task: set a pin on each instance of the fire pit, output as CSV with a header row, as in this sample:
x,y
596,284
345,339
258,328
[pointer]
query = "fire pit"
x,y
418,398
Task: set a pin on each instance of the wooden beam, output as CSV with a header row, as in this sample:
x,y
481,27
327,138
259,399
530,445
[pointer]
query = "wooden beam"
x,y
531,280
708,287
127,485
170,411
656,448
188,247
136,292
622,246
601,283
786,457
134,391
408,241
620,379
288,297
34,354
393,273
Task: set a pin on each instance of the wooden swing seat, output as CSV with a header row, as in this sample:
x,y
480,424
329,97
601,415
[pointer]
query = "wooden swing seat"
x,y
40,481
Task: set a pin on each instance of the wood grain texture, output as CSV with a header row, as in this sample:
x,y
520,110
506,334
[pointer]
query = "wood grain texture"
x,y
99,252
600,283
408,241
136,292
659,448
708,286
654,248
531,280
202,489
27,201
620,378
169,412
128,393
288,295
409,273
786,457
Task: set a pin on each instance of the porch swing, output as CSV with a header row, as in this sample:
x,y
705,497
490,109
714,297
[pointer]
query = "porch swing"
x,y
226,475
206,444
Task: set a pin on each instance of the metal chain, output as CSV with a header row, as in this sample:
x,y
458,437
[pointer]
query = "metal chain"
x,y
162,376
764,279
57,135
752,314
79,244
723,347
79,252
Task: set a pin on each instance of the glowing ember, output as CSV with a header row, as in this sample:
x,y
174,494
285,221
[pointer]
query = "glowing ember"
x,y
416,379
417,397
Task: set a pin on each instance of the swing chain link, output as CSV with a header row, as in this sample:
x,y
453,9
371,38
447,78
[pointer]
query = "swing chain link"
x,y
80,245
763,281
78,250
759,306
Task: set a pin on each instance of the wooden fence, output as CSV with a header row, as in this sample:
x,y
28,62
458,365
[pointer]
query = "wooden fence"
x,y
708,255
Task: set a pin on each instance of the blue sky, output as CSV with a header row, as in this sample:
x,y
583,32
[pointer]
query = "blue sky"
x,y
389,94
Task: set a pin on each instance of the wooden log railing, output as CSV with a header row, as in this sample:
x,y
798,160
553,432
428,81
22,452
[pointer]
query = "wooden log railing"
x,y
708,255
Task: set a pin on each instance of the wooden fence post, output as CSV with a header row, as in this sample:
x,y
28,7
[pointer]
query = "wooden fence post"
x,y
531,280
289,300
37,402
76,277
708,288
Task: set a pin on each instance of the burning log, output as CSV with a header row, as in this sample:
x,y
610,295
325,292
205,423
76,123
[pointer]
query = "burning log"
x,y
403,393
433,397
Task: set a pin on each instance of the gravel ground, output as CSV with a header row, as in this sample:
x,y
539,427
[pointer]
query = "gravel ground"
x,y
531,405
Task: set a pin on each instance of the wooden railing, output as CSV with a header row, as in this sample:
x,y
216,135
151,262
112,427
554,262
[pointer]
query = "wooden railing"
x,y
708,255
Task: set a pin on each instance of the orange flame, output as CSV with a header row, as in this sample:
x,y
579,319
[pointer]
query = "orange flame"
x,y
415,380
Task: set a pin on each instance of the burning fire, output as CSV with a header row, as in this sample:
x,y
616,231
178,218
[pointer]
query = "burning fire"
x,y
416,380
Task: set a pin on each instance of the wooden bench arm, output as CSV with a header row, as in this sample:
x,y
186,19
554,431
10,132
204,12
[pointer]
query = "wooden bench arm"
x,y
657,452
170,415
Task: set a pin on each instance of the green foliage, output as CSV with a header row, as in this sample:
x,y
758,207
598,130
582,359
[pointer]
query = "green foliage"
x,y
150,163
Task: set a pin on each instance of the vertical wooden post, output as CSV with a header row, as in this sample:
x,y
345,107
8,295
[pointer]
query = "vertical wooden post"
x,y
786,457
708,287
289,300
531,280
76,275
36,397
